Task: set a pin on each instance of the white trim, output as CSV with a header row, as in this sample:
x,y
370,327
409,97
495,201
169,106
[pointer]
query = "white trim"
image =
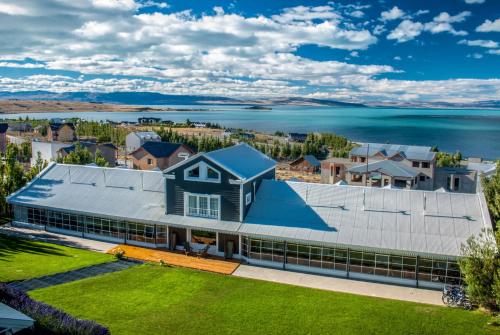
x,y
203,171
241,202
169,176
198,195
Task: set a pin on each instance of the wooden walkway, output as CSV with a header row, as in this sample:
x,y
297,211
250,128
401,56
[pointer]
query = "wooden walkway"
x,y
211,263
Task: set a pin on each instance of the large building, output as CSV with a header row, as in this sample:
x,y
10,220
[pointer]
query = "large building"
x,y
229,200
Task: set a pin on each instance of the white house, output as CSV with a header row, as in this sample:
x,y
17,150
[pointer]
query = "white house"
x,y
48,150
135,140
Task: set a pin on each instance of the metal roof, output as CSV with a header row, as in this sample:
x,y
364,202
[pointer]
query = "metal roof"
x,y
390,220
411,152
242,160
119,193
146,134
159,149
387,167
12,319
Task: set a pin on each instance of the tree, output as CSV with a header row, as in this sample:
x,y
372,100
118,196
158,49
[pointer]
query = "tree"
x,y
99,159
11,175
491,189
480,267
79,156
40,164
444,159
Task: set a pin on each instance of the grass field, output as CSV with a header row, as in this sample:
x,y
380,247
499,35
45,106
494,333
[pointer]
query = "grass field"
x,y
150,299
23,259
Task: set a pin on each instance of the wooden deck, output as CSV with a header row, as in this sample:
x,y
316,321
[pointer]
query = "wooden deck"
x,y
210,263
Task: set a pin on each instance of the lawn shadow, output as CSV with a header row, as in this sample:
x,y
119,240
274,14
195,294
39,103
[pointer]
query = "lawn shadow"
x,y
13,245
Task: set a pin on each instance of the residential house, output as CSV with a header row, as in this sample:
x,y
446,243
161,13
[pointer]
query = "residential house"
x,y
20,128
229,201
17,140
61,132
149,120
307,163
335,169
135,140
108,150
3,136
159,155
376,164
48,150
296,137
199,124
456,179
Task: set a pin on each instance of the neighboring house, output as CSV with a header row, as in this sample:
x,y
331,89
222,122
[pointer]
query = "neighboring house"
x,y
335,169
3,136
20,128
296,137
229,201
456,179
161,155
135,140
47,150
17,140
307,163
200,124
108,150
61,132
403,166
149,120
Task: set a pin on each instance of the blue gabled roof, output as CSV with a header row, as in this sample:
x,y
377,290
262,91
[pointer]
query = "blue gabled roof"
x,y
242,160
387,167
312,160
160,149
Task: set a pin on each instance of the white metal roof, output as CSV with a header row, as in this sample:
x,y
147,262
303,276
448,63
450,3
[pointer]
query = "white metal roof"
x,y
390,220
409,151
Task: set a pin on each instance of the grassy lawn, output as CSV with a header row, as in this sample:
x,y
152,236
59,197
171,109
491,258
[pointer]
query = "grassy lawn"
x,y
23,259
150,299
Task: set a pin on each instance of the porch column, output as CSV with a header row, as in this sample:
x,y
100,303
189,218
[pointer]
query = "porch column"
x,y
217,242
188,235
239,245
168,237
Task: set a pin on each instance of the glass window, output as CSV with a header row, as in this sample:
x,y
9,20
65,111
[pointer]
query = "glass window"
x,y
194,173
203,205
212,174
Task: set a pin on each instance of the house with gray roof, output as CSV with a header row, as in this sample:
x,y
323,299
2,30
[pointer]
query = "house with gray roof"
x,y
229,200
135,140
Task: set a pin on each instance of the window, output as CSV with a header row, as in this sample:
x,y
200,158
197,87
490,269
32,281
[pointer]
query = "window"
x,y
425,165
202,172
362,159
183,155
248,198
150,161
194,173
207,206
456,184
337,171
422,178
356,177
415,164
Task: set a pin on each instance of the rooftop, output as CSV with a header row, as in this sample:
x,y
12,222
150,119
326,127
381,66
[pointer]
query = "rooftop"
x,y
391,219
411,152
242,160
57,126
146,134
387,167
3,127
159,149
308,158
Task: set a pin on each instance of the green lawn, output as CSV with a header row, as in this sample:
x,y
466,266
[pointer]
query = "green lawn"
x,y
150,299
23,259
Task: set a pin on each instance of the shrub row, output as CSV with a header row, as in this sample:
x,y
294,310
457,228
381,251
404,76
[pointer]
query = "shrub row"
x,y
48,320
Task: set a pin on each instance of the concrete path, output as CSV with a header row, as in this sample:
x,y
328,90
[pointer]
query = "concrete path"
x,y
341,285
69,276
45,236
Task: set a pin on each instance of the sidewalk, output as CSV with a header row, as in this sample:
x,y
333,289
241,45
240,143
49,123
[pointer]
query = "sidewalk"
x,y
66,240
341,285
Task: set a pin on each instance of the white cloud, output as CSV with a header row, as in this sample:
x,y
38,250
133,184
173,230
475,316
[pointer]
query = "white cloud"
x,y
151,3
475,55
116,4
480,43
406,31
11,9
379,29
494,52
470,2
422,12
393,14
354,54
93,29
489,26
397,58
357,14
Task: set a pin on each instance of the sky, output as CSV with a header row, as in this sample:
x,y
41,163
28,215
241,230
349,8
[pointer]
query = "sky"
x,y
397,51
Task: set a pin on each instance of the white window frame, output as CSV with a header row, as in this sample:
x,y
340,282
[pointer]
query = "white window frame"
x,y
248,198
203,173
197,212
183,155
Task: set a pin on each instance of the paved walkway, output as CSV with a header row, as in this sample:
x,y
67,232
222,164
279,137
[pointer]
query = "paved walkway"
x,y
69,276
45,236
209,263
341,285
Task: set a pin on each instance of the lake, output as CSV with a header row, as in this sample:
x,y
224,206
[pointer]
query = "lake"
x,y
473,132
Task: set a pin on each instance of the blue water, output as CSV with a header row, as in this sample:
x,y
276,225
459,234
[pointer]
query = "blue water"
x,y
473,132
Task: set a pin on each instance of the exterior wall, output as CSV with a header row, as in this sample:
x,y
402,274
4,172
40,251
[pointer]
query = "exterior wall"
x,y
17,140
140,159
329,168
229,193
174,157
64,134
303,165
48,150
467,180
249,188
134,142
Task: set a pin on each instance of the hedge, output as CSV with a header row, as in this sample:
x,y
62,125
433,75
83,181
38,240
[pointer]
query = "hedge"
x,y
48,320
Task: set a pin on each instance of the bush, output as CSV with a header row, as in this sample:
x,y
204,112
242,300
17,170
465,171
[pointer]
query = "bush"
x,y
48,320
119,253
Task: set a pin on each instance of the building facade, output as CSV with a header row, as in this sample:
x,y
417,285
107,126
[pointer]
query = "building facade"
x,y
307,163
3,136
61,132
228,199
159,155
108,151
135,140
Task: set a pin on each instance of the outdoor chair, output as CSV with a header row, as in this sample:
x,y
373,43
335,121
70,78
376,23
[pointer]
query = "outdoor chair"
x,y
187,248
203,252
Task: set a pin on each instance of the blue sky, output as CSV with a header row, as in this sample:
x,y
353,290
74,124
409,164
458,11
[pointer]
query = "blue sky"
x,y
447,50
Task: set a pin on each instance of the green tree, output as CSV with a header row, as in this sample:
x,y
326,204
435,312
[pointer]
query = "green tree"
x,y
79,156
99,159
11,175
444,159
39,165
491,189
480,267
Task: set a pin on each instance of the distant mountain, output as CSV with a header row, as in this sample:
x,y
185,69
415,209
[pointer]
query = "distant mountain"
x,y
147,98
487,104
